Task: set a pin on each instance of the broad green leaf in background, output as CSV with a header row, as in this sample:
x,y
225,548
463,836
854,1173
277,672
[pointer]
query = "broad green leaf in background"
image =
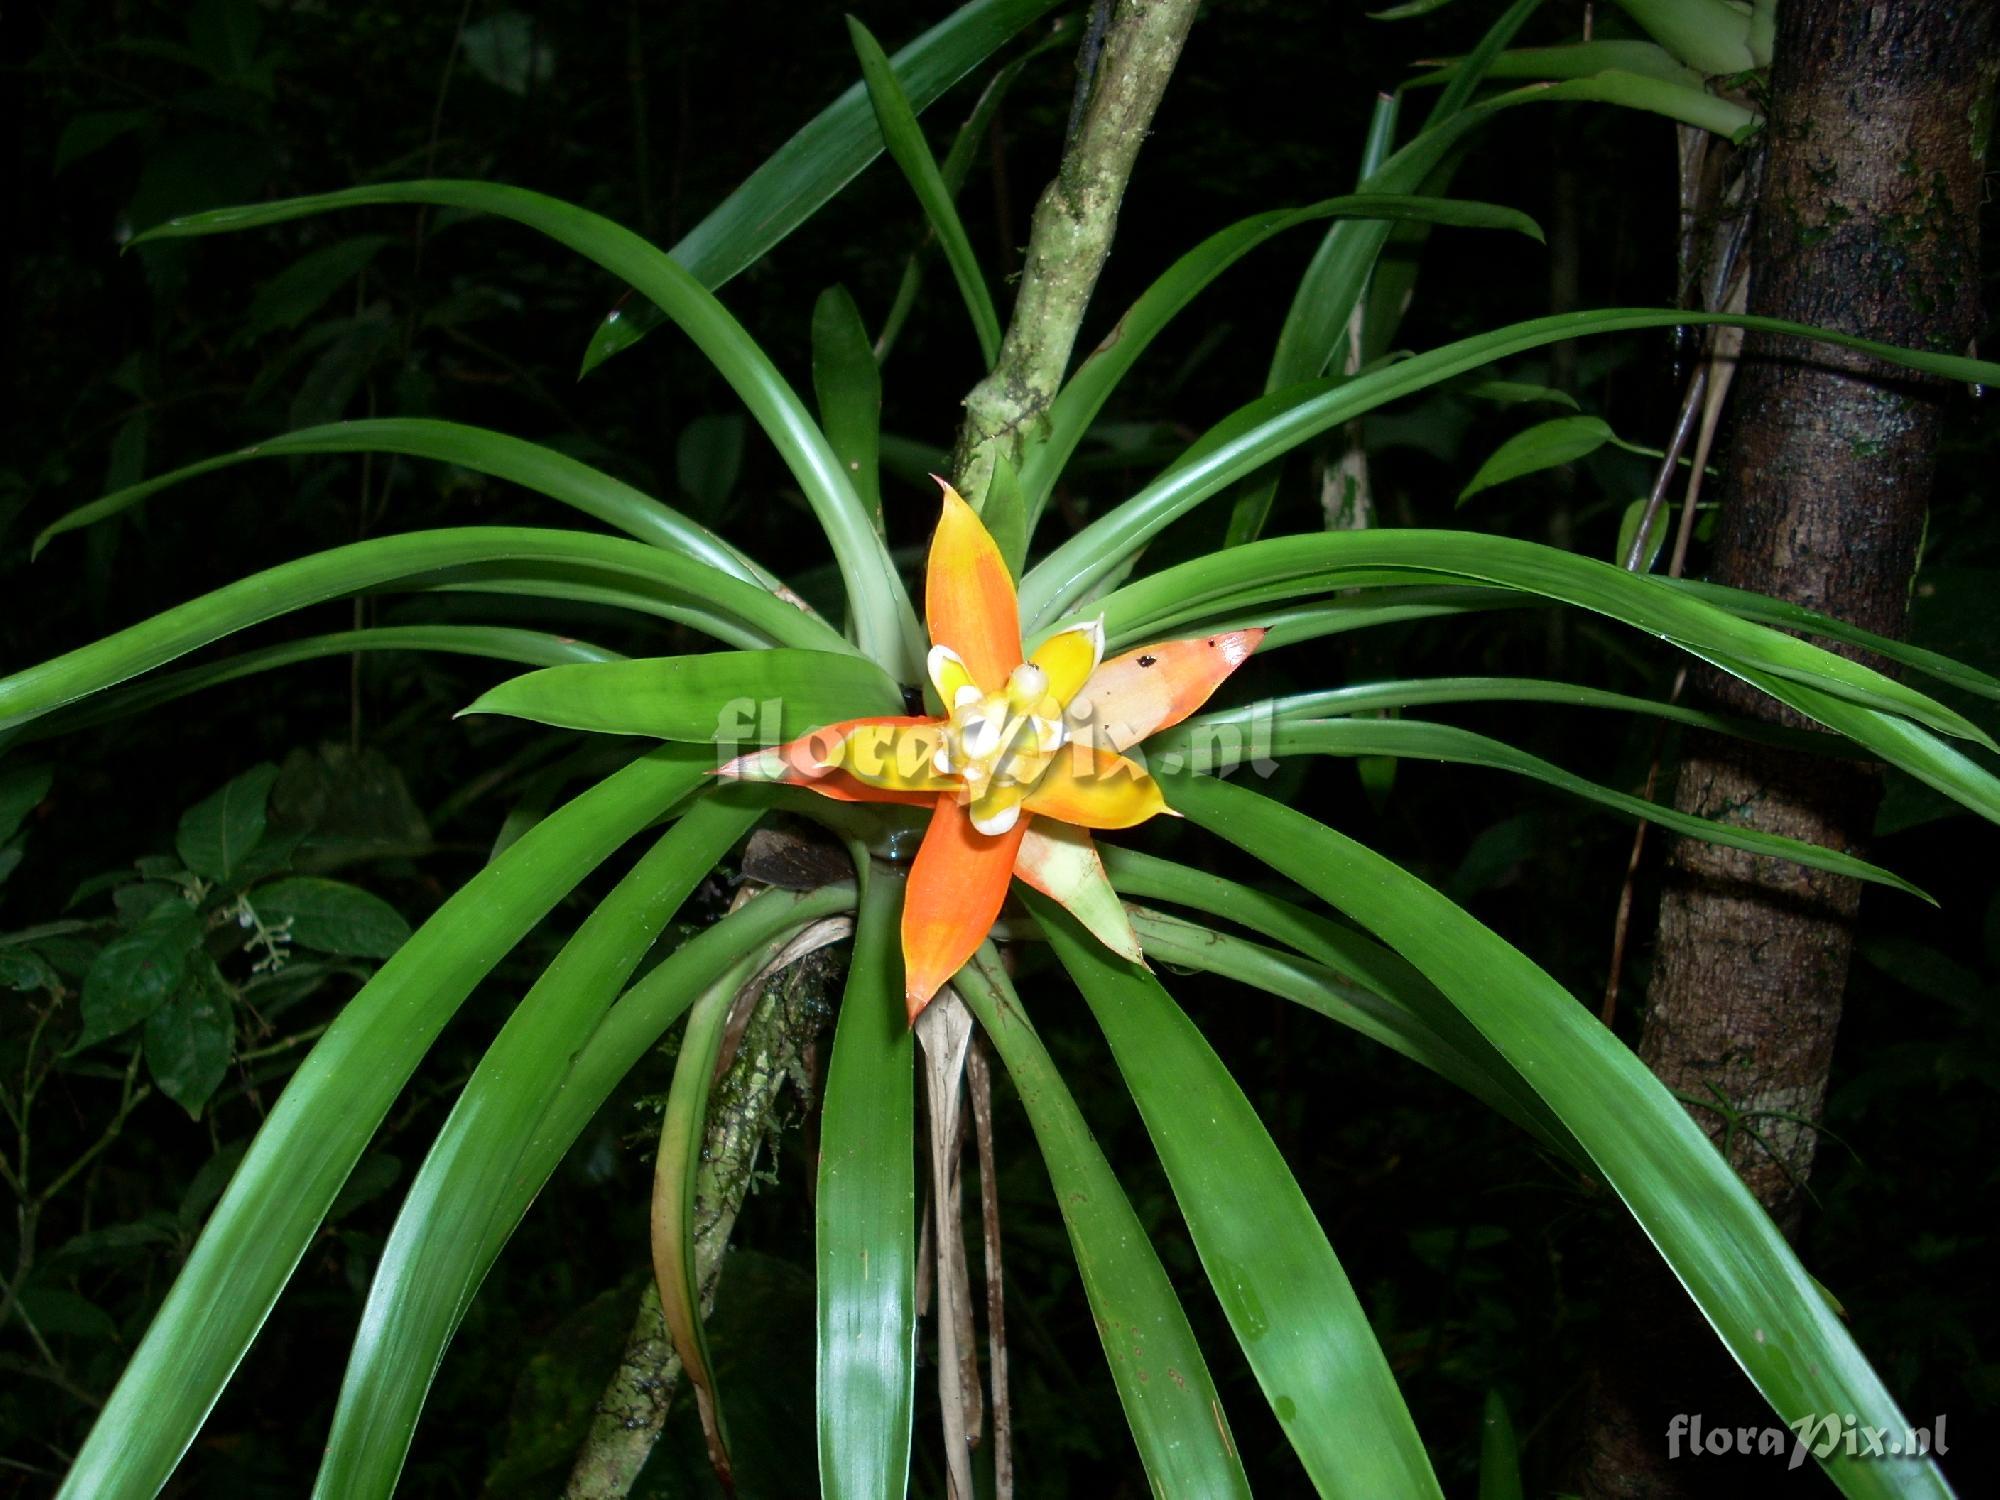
x,y
866,1215
503,49
708,459
22,787
332,916
84,135
325,1118
1628,534
137,972
1518,393
217,834
1177,1421
723,698
905,140
1301,1326
308,283
1701,1218
189,1038
1546,445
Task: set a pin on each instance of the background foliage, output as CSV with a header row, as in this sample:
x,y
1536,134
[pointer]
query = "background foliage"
x,y
1476,1259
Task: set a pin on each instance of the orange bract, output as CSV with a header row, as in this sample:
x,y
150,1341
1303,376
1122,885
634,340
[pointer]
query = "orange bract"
x,y
1019,742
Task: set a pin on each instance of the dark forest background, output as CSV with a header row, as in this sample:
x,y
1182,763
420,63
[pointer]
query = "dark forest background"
x,y
1478,1258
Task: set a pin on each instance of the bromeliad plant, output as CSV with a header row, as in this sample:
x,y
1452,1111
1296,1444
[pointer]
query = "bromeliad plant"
x,y
1031,739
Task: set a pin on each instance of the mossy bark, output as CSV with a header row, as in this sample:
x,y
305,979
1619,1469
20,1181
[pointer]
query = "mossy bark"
x,y
745,1111
1071,236
1867,222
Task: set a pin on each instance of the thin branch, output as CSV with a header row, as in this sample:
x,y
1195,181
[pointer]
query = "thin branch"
x,y
980,1078
1071,235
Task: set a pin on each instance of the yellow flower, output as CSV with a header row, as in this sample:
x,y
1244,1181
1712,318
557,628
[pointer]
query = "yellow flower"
x,y
1026,759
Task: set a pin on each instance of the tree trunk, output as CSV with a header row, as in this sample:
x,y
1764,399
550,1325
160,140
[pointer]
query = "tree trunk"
x,y
1867,222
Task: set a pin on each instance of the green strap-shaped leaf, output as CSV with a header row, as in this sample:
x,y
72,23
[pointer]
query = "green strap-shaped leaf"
x,y
1906,746
1722,1246
1499,1454
1163,1382
957,166
1687,104
1315,330
866,1215
1324,561
1004,510
431,1264
1417,739
676,1173
848,386
326,1116
1083,395
727,699
1414,692
675,586
823,158
1360,609
480,449
1068,572
1575,60
608,589
1190,945
1316,324
881,609
534,648
1710,36
1353,956
719,959
1281,1287
1788,616
722,956
905,140
507,1181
